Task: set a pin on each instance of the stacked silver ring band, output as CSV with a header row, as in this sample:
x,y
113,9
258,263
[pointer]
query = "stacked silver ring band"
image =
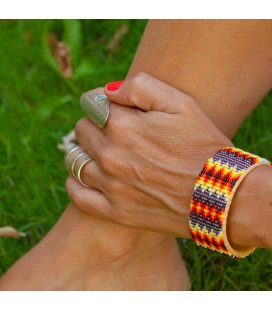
x,y
75,158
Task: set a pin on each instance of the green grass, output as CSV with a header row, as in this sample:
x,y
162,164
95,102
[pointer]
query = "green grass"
x,y
38,106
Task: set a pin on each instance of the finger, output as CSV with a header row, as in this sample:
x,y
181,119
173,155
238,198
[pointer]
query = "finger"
x,y
99,90
90,137
72,155
148,94
83,167
119,117
96,107
88,173
89,199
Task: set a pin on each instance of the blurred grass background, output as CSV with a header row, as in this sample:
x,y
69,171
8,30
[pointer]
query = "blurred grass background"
x,y
38,106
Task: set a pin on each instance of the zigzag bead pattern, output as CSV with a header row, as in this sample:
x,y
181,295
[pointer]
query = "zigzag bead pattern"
x,y
213,192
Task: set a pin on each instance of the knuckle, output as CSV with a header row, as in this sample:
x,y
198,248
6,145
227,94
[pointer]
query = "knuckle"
x,y
187,105
113,119
120,126
137,83
139,79
113,160
107,161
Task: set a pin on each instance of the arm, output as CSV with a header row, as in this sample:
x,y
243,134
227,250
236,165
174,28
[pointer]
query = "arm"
x,y
146,161
249,220
226,66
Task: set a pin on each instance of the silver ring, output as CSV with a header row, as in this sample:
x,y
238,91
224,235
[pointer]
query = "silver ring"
x,y
68,153
74,159
80,162
97,107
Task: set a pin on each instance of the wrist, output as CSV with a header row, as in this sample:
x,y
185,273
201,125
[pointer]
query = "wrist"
x,y
249,219
213,195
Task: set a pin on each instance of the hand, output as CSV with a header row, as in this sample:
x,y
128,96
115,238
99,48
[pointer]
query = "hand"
x,y
147,157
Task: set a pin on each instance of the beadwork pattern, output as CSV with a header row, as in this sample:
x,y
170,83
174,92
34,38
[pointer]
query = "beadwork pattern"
x,y
212,194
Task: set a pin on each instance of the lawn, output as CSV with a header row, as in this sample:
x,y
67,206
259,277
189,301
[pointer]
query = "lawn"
x,y
38,106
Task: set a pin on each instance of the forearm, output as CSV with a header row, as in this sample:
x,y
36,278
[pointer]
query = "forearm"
x,y
151,187
227,67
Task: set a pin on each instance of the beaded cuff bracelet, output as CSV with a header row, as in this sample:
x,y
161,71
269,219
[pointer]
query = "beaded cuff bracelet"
x,y
212,196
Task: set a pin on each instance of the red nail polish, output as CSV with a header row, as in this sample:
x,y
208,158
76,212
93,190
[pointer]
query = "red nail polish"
x,y
114,85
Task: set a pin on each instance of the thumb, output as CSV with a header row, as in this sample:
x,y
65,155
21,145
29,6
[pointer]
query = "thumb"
x,y
146,93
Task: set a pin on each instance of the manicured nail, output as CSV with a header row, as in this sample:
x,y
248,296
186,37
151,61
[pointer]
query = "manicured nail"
x,y
114,85
96,106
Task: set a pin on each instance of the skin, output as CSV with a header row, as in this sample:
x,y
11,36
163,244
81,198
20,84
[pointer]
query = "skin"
x,y
228,70
225,65
137,157
82,252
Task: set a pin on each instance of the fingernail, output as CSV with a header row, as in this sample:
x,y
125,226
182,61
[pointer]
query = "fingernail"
x,y
96,107
114,85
